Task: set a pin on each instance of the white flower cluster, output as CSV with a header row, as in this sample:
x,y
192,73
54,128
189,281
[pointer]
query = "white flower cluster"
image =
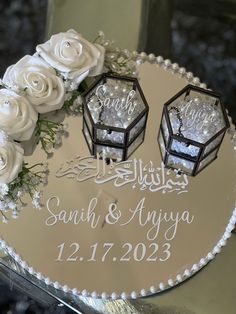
x,y
31,180
36,201
33,86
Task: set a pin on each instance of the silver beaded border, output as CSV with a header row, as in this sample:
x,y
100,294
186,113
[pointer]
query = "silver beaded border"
x,y
166,64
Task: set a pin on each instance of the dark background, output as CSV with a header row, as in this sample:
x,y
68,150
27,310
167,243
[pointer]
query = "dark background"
x,y
199,35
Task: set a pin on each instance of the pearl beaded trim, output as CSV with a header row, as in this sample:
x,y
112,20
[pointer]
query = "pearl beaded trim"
x,y
171,282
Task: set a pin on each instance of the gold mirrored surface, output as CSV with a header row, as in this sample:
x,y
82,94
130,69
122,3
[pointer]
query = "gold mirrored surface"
x,y
77,240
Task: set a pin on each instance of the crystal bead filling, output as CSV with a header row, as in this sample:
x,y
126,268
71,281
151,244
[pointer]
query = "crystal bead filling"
x,y
135,144
135,130
201,117
208,159
113,137
115,116
213,144
193,125
109,152
115,103
181,147
179,163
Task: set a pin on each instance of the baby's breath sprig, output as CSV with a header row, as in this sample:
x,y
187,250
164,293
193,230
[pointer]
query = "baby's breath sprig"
x,y
49,134
27,182
117,60
2,85
28,179
73,105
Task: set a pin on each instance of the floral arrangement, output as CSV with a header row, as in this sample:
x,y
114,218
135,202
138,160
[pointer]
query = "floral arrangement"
x,y
51,79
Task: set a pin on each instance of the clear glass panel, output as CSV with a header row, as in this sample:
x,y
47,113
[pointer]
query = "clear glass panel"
x,y
162,145
208,159
113,153
135,144
115,103
181,147
138,126
180,163
91,97
113,137
88,122
197,117
211,100
165,129
87,135
213,144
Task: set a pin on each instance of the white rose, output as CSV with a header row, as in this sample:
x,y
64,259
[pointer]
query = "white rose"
x,y
44,90
72,55
17,116
11,160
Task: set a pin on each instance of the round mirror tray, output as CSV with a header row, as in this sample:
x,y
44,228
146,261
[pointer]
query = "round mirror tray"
x,y
124,229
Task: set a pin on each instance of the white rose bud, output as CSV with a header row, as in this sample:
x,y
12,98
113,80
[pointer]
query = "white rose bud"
x,y
73,56
43,88
17,116
11,160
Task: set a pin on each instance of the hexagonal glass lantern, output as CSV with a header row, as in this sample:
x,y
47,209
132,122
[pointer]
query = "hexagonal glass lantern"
x,y
192,128
115,117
